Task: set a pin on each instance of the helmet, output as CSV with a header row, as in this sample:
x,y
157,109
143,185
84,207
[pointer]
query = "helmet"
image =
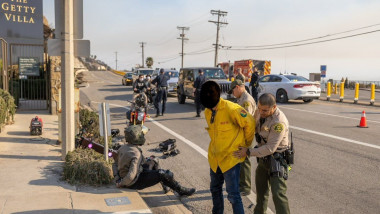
x,y
134,135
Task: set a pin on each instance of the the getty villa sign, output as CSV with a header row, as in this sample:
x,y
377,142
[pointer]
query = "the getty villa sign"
x,y
21,19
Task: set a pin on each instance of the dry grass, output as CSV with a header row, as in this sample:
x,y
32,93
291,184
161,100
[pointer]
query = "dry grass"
x,y
85,166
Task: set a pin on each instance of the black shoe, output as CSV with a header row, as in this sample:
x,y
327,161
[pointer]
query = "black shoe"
x,y
198,115
157,115
183,191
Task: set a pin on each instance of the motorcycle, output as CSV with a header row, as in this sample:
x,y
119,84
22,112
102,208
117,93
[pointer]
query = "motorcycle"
x,y
138,112
81,141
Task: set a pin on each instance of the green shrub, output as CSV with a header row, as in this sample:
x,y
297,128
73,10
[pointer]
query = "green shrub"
x,y
7,107
85,166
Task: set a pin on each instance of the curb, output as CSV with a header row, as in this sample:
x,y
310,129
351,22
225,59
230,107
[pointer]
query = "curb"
x,y
349,102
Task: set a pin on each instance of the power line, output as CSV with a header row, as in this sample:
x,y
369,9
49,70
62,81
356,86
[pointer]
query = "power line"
x,y
183,38
205,40
218,23
304,40
308,43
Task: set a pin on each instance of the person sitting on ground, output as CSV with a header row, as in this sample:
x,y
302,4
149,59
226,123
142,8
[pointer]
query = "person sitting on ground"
x,y
129,170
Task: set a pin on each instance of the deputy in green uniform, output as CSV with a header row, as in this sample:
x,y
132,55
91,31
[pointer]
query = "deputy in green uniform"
x,y
245,100
272,130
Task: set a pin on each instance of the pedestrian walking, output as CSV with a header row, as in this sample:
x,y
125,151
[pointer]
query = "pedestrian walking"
x,y
240,75
229,127
254,84
161,82
272,144
201,78
245,100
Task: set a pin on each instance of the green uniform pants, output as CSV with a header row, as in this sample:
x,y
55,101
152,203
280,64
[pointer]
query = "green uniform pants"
x,y
278,187
245,176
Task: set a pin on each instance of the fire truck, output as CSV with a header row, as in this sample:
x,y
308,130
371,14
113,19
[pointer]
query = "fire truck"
x,y
247,67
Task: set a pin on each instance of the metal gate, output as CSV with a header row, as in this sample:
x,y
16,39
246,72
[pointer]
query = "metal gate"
x,y
3,64
30,92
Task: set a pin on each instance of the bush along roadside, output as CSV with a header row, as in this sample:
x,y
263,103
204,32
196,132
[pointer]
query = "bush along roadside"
x,y
7,108
84,166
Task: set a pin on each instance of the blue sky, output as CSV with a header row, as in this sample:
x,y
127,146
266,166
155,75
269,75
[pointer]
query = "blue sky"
x,y
119,25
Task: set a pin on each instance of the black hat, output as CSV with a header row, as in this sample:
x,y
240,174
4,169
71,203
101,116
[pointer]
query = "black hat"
x,y
210,94
234,84
200,71
161,70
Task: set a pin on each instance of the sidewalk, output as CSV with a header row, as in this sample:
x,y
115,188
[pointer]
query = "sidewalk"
x,y
30,173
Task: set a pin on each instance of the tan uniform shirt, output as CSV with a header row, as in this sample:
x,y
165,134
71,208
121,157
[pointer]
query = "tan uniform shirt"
x,y
247,102
274,134
129,164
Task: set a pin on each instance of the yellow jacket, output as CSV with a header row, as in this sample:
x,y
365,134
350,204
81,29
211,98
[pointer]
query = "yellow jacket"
x,y
232,127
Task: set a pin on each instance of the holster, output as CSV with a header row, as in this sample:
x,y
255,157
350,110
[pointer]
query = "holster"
x,y
276,170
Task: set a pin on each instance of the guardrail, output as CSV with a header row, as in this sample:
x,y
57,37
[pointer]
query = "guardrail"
x,y
122,73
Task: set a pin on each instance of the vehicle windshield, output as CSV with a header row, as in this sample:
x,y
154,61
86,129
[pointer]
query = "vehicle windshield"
x,y
173,73
214,73
146,72
294,78
128,75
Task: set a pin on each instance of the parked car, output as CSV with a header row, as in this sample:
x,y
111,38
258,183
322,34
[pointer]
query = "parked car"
x,y
173,81
187,76
127,79
289,87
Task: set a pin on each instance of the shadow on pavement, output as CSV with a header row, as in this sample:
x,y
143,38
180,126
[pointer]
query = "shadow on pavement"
x,y
33,157
58,211
23,133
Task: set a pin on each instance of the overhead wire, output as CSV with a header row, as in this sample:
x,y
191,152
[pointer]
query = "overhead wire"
x,y
308,43
309,39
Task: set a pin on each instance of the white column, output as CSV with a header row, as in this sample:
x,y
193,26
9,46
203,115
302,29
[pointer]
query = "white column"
x,y
68,121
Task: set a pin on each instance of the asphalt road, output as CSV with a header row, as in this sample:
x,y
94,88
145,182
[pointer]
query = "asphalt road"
x,y
337,167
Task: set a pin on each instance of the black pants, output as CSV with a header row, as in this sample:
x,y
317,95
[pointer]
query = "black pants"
x,y
162,94
197,100
255,93
147,178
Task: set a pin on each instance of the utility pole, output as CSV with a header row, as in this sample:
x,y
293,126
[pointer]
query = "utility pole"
x,y
182,37
68,103
142,46
116,59
218,25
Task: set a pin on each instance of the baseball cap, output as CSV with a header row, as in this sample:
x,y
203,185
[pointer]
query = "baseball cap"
x,y
234,84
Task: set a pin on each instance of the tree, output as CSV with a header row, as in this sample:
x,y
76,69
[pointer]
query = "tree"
x,y
149,62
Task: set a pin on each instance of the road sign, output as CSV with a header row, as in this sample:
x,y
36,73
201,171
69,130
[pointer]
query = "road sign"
x,y
323,70
107,118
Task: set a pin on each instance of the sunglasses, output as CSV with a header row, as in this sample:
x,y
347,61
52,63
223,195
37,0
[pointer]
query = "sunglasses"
x,y
212,116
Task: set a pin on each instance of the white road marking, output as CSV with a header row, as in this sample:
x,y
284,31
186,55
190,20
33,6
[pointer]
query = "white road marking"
x,y
333,115
336,137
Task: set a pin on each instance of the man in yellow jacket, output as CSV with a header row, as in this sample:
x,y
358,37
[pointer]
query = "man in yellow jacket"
x,y
229,127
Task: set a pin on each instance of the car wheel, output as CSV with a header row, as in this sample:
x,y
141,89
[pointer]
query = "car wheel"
x,y
308,100
181,98
281,96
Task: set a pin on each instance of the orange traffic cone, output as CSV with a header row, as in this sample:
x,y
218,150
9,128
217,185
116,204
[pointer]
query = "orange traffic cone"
x,y
363,121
